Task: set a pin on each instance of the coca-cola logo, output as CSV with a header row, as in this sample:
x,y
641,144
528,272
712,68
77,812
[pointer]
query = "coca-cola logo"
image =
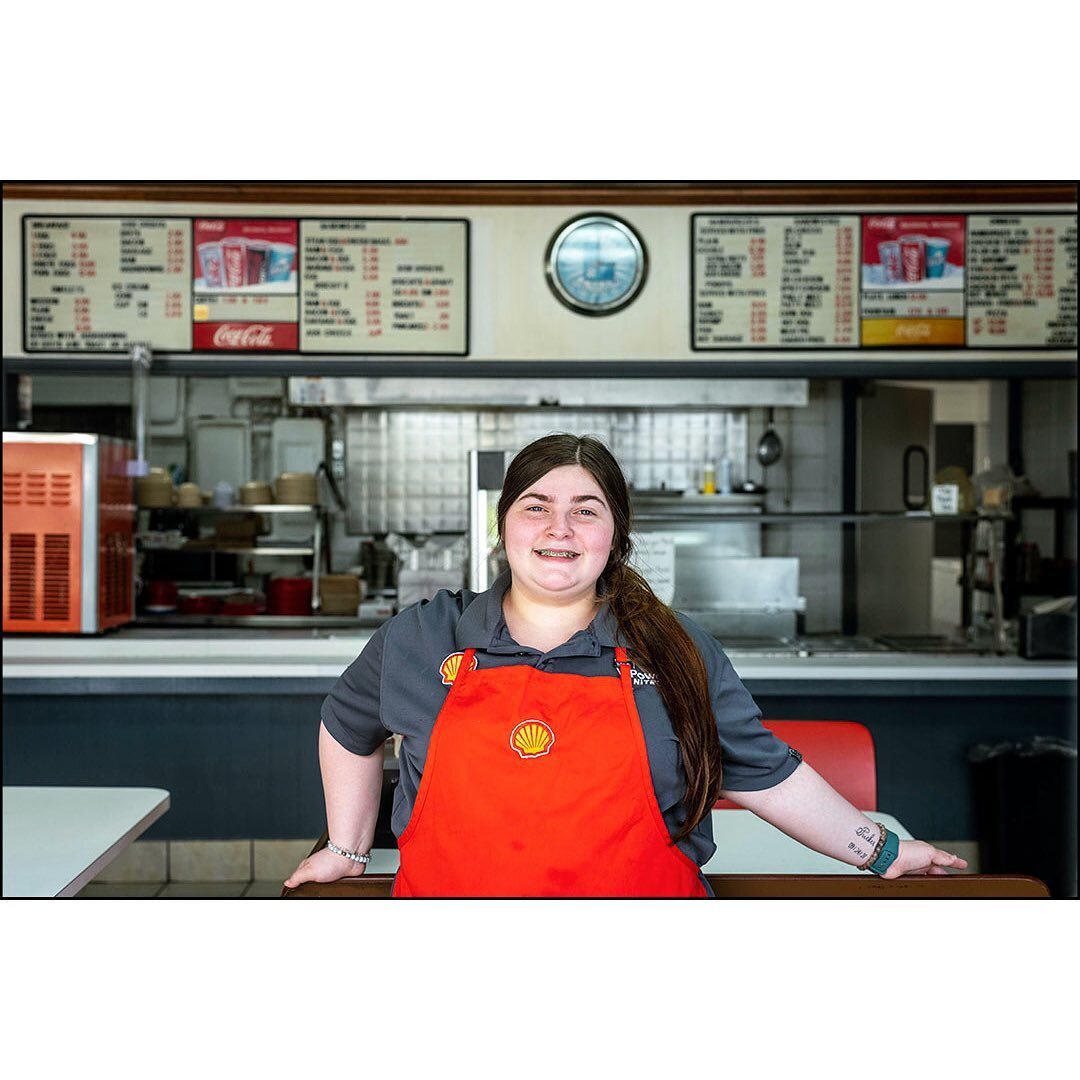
x,y
255,336
212,226
881,223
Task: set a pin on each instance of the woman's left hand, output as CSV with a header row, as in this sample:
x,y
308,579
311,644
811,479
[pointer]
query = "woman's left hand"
x,y
919,857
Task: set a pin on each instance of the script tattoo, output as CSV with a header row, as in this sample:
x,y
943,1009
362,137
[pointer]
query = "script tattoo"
x,y
858,851
864,831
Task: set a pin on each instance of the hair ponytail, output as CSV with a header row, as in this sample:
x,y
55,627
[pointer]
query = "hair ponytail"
x,y
658,643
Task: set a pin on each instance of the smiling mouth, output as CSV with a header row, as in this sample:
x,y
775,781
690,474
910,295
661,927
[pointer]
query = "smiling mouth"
x,y
551,553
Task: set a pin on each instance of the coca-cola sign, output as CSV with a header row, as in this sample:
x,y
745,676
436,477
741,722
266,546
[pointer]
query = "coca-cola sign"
x,y
246,337
239,336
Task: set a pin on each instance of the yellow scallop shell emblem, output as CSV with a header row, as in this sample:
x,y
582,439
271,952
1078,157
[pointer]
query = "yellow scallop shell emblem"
x,y
448,669
532,738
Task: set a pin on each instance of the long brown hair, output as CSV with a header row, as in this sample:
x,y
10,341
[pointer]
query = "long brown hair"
x,y
652,633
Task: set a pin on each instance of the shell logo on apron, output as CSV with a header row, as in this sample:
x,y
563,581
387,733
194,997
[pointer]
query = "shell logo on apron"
x,y
448,669
532,739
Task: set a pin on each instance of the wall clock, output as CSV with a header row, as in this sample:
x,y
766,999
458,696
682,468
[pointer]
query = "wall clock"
x,y
596,264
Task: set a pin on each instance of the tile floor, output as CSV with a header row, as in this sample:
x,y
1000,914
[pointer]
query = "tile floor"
x,y
198,869
245,869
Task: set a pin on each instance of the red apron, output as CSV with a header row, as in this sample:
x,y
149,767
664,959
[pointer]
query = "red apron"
x,y
538,784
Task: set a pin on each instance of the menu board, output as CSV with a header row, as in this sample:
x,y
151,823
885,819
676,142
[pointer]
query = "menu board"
x,y
912,280
102,284
384,285
774,280
1021,280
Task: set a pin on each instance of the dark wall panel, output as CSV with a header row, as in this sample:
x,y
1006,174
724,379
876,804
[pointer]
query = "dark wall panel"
x,y
236,768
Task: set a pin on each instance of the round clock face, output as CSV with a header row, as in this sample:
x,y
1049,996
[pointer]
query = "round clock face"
x,y
596,264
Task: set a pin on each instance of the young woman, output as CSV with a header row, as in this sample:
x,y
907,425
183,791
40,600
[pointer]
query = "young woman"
x,y
564,733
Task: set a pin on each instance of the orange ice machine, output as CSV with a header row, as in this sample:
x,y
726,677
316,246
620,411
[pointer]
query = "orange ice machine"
x,y
69,526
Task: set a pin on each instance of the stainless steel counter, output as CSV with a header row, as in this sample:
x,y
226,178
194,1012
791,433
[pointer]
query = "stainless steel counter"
x,y
267,653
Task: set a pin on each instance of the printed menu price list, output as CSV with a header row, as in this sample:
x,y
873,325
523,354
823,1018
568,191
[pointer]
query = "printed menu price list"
x,y
99,284
775,280
1022,280
384,286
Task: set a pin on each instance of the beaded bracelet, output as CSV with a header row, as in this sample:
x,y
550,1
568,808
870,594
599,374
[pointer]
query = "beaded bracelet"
x,y
889,852
356,856
877,847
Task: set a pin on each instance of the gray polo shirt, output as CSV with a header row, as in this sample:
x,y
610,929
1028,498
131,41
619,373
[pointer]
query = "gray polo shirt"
x,y
394,687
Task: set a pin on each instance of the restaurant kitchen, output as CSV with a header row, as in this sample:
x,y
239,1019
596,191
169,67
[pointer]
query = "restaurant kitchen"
x,y
858,472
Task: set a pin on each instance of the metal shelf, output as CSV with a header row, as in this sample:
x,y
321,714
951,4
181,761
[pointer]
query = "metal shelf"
x,y
220,550
257,508
837,517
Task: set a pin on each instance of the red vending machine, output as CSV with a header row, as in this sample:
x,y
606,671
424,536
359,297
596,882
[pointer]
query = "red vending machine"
x,y
69,525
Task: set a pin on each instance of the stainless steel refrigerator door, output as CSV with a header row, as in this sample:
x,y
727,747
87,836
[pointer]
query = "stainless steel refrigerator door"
x,y
894,559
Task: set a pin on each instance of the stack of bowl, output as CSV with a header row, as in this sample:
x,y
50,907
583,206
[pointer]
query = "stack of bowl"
x,y
297,489
255,493
155,490
189,496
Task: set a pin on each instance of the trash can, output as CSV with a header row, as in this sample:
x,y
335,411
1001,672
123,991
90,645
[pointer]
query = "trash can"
x,y
1025,810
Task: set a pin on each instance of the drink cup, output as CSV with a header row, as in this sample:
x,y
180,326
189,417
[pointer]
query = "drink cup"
x,y
913,257
213,272
891,267
937,254
280,261
234,259
256,262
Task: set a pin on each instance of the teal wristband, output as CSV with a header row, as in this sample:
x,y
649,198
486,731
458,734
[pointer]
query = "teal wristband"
x,y
888,854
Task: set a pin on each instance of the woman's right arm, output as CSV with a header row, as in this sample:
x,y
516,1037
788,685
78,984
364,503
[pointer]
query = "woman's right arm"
x,y
352,786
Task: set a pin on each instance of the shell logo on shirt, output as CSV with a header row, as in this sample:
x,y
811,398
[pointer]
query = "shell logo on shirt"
x,y
532,738
448,669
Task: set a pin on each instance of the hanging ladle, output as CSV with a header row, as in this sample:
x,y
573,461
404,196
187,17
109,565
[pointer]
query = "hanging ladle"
x,y
770,447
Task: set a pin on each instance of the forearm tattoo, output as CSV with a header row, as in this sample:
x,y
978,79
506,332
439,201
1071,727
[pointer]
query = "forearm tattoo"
x,y
867,833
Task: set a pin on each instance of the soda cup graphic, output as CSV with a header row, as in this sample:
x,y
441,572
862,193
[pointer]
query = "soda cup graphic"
x,y
913,257
891,267
279,264
234,260
210,263
937,254
255,273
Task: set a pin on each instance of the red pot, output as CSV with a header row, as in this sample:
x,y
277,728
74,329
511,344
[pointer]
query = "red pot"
x,y
242,607
289,596
161,596
200,605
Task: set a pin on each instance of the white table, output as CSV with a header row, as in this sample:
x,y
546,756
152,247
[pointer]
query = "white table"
x,y
745,844
56,839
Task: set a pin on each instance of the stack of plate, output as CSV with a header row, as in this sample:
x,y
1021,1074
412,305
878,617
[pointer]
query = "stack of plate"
x,y
297,489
